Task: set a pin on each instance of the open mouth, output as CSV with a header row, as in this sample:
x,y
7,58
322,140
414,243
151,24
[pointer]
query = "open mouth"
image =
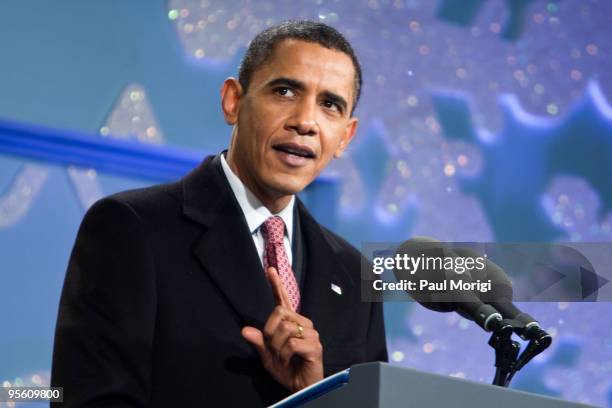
x,y
294,149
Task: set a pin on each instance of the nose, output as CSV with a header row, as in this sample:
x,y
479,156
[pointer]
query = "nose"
x,y
302,121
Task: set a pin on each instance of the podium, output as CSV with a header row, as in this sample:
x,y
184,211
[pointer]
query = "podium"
x,y
373,385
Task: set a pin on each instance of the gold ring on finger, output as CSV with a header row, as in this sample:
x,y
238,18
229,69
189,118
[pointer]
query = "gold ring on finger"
x,y
300,331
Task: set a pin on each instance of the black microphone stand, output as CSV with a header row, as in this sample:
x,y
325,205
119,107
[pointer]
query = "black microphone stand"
x,y
507,359
506,351
539,341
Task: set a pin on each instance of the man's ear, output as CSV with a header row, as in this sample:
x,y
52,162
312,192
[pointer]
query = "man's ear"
x,y
231,92
349,133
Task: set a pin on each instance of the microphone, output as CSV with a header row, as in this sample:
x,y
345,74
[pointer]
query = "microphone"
x,y
493,311
436,295
500,297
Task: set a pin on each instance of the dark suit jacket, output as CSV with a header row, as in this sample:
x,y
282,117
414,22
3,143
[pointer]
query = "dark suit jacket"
x,y
160,283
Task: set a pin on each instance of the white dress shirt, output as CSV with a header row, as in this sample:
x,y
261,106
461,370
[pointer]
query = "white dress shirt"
x,y
256,213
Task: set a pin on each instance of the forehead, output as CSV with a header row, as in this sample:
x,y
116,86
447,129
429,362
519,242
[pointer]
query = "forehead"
x,y
316,66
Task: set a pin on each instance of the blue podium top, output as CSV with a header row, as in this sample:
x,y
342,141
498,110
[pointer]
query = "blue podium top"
x,y
314,391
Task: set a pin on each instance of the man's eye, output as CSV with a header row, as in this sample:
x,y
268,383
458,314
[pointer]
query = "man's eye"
x,y
284,91
332,105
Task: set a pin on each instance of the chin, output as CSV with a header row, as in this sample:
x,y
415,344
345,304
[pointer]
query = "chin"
x,y
288,187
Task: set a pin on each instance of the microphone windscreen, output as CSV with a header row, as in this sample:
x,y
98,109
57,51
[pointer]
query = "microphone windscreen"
x,y
501,286
429,260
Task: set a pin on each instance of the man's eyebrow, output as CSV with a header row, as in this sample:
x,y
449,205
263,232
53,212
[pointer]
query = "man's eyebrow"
x,y
294,83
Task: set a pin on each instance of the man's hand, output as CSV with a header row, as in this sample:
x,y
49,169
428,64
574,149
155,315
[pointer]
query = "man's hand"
x,y
289,346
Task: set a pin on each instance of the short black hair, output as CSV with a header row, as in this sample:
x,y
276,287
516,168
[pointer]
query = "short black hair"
x,y
262,46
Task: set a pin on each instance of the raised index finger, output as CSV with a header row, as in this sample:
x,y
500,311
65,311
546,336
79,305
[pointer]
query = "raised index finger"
x,y
280,294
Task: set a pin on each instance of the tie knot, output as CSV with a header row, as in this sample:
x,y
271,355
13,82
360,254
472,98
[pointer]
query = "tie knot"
x,y
274,229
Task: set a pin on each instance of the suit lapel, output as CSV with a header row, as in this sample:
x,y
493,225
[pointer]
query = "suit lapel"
x,y
227,254
225,250
319,303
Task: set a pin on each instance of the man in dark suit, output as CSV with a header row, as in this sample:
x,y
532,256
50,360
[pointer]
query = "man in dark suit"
x,y
221,289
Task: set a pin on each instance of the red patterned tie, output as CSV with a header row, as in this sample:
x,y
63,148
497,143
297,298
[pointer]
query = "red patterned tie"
x,y
274,231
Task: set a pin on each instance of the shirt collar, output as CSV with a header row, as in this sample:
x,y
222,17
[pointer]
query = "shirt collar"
x,y
254,211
